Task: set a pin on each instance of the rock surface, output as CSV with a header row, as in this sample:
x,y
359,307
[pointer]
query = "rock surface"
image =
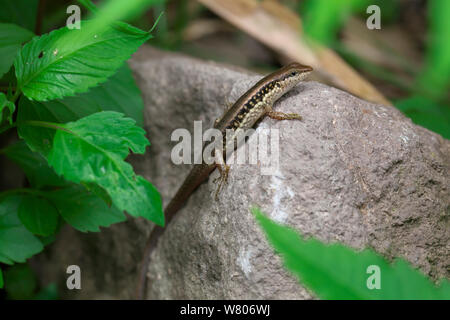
x,y
350,172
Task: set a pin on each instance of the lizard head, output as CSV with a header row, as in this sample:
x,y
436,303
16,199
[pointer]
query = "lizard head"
x,y
294,72
289,76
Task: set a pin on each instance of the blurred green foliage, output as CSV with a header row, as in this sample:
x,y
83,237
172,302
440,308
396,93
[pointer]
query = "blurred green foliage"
x,y
172,24
21,284
112,11
434,80
324,18
20,12
427,113
428,101
49,292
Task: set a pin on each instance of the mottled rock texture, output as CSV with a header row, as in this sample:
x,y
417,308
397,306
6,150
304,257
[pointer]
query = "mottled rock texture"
x,y
350,171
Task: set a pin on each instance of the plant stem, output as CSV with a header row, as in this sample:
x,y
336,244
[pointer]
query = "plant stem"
x,y
21,191
16,95
45,124
6,88
40,17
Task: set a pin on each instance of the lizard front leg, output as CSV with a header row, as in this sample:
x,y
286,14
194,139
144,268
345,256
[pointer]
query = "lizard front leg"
x,y
281,115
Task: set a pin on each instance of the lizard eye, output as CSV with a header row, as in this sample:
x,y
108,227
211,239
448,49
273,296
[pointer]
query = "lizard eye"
x,y
294,73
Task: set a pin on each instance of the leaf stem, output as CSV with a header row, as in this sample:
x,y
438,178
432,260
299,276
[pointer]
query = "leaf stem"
x,y
156,22
22,191
41,11
16,95
6,88
45,124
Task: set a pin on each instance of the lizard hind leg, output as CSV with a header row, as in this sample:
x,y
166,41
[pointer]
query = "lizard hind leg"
x,y
224,169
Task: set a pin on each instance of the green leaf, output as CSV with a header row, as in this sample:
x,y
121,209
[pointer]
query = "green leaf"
x,y
20,12
9,82
20,282
36,168
16,243
1,279
83,210
5,259
38,215
119,93
11,39
338,272
48,239
6,109
37,138
99,192
426,113
89,5
93,149
65,62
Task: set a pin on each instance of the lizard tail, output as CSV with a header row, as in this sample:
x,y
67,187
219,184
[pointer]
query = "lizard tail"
x,y
199,174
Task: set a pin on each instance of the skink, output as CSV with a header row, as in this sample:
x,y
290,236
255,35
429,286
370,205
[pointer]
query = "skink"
x,y
243,114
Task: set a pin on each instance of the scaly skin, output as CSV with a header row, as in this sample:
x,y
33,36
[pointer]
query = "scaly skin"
x,y
243,114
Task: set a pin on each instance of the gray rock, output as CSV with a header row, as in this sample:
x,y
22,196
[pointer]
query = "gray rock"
x,y
350,172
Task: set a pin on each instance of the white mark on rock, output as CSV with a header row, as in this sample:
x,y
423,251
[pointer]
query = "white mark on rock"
x,y
290,192
280,192
261,126
407,134
243,261
380,114
404,138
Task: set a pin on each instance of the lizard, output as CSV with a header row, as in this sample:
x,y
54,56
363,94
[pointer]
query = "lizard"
x,y
251,107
